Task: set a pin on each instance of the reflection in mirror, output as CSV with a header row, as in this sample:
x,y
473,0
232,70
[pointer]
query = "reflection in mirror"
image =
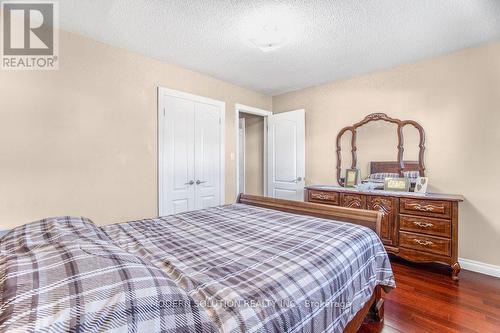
x,y
411,141
345,153
376,141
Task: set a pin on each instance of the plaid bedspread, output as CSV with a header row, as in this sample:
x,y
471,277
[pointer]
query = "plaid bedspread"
x,y
260,270
66,275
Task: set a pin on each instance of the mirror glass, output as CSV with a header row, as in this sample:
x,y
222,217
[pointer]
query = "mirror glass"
x,y
411,140
377,141
345,152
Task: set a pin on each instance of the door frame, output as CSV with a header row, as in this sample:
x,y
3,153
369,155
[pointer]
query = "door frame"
x,y
161,91
241,143
241,108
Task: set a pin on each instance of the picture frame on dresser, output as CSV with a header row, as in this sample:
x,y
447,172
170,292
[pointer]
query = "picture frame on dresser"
x,y
397,184
352,177
421,184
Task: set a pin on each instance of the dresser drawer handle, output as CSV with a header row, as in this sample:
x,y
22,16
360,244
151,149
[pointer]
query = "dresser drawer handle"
x,y
423,242
425,208
423,224
320,196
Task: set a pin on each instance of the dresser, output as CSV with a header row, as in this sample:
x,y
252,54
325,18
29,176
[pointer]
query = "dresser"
x,y
415,227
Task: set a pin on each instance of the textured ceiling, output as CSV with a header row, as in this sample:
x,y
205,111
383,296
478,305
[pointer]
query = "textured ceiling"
x,y
328,39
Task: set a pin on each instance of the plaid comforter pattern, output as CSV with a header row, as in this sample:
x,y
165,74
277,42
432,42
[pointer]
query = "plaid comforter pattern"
x,y
66,275
259,270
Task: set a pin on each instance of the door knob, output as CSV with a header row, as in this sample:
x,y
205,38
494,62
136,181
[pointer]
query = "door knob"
x,y
299,179
191,182
198,182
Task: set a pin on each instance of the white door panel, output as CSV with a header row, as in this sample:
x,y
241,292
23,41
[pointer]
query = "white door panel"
x,y
286,155
179,145
181,205
285,194
207,155
285,151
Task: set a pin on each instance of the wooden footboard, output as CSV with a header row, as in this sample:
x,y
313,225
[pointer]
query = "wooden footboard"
x,y
367,218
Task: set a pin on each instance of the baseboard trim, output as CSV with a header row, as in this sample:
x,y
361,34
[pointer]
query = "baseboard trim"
x,y
479,267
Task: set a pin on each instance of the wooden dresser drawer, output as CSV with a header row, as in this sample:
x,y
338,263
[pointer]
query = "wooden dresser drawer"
x,y
425,243
425,225
325,197
435,208
353,200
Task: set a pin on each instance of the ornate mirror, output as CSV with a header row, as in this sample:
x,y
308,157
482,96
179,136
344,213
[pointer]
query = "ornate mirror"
x,y
381,144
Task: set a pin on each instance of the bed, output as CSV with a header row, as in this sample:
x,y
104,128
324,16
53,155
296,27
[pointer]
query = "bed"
x,y
260,265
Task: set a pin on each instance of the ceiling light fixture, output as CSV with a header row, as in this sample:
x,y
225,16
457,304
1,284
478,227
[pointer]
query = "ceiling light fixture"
x,y
269,38
270,27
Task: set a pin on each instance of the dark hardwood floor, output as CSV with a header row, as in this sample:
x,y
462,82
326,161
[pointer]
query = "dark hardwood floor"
x,y
427,300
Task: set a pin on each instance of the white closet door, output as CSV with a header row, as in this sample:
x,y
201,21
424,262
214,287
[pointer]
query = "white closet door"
x,y
190,152
178,162
207,154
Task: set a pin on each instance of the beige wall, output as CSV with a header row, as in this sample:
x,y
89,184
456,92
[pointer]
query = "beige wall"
x,y
254,154
457,100
82,140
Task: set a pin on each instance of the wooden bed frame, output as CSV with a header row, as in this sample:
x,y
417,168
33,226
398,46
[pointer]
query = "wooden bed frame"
x,y
373,310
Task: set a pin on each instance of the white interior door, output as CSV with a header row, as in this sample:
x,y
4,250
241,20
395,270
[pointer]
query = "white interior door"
x,y
191,152
207,156
286,155
177,169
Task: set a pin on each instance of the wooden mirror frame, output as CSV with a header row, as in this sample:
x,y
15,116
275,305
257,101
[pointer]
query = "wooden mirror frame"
x,y
382,117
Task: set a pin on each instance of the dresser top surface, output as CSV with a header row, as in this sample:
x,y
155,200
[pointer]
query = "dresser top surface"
x,y
429,196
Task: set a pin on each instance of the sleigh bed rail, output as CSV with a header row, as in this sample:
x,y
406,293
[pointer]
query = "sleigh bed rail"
x,y
367,218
